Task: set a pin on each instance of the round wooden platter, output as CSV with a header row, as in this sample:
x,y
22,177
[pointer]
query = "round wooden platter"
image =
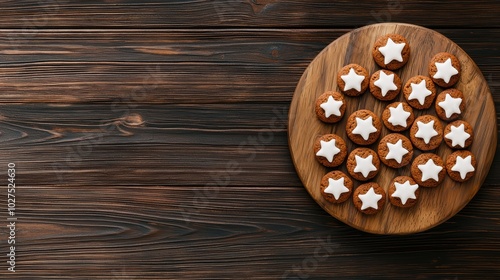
x,y
435,205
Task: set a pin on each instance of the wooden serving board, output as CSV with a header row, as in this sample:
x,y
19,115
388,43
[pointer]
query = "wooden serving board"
x,y
435,205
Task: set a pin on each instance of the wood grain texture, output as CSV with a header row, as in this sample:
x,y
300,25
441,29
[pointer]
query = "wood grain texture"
x,y
91,140
149,66
132,201
32,14
435,205
142,233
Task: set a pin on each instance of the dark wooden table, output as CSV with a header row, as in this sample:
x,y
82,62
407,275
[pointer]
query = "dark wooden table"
x,y
150,142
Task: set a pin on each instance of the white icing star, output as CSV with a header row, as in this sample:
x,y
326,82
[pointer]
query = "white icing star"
x,y
445,70
426,131
405,191
364,165
328,150
364,127
396,151
457,135
430,170
419,91
370,199
392,51
332,107
398,115
336,187
463,165
451,105
352,80
385,83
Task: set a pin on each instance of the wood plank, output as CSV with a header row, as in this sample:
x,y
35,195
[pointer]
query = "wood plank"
x,y
164,66
32,15
166,232
152,144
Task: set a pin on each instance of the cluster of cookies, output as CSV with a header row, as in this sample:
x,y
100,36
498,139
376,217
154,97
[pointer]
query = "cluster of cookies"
x,y
395,150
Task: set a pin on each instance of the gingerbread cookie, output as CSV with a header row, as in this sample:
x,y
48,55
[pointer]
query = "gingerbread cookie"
x,y
363,127
403,192
398,116
330,107
444,69
353,79
385,85
428,170
461,165
395,150
458,135
363,164
426,133
391,51
419,92
369,198
336,187
330,150
450,104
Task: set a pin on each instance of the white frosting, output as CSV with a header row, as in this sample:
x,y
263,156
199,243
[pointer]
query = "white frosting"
x,y
457,135
419,91
328,149
396,151
463,165
352,80
370,199
445,71
364,165
392,51
430,170
426,131
385,83
364,127
332,107
336,187
450,105
398,115
405,191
